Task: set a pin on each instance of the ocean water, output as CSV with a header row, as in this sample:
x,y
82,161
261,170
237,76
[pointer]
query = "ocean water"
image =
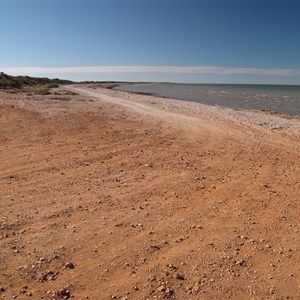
x,y
278,98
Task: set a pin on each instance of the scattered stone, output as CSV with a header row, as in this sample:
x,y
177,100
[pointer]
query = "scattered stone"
x,y
179,276
272,290
173,267
166,292
155,246
24,290
240,262
161,288
179,240
69,265
64,293
49,275
152,278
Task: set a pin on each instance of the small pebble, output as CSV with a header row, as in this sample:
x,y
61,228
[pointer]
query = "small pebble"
x,y
69,265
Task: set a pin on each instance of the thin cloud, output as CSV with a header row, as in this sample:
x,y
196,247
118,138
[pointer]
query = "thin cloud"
x,y
149,69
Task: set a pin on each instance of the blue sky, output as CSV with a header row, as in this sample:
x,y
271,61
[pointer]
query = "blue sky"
x,y
226,41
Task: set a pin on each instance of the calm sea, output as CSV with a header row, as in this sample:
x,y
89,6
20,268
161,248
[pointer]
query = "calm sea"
x,y
279,98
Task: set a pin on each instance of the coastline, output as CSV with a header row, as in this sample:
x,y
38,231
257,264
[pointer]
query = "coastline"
x,y
260,110
108,194
267,122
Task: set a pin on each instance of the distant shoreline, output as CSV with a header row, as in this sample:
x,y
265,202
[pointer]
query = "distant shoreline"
x,y
42,85
143,89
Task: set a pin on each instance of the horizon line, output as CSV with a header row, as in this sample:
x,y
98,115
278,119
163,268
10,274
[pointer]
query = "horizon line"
x,y
217,70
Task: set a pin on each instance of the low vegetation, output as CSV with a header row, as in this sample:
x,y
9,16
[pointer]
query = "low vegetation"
x,y
18,82
42,91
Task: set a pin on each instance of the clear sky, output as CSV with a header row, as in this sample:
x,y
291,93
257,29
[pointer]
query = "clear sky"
x,y
226,41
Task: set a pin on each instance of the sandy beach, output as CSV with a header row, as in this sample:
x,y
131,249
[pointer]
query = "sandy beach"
x,y
113,195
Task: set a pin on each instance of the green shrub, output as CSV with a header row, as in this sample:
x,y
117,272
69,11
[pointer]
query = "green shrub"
x,y
42,91
52,85
18,82
70,93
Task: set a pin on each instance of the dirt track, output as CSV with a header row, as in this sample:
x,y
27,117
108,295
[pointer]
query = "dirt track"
x,y
109,195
